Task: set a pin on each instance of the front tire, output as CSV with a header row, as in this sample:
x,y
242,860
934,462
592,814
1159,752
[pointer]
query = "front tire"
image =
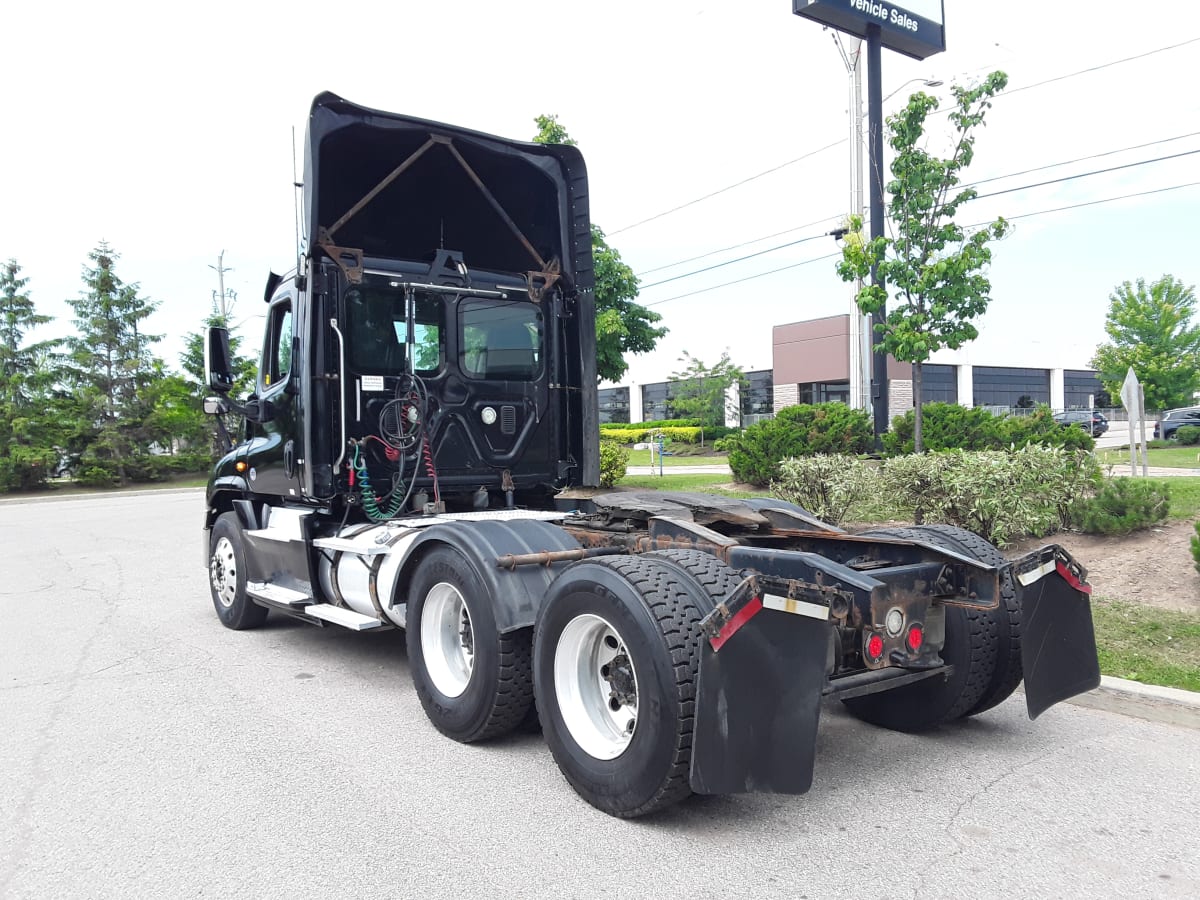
x,y
473,682
616,658
227,576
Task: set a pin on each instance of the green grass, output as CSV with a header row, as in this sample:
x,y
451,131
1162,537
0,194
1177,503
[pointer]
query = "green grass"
x,y
642,458
1174,457
1143,643
705,484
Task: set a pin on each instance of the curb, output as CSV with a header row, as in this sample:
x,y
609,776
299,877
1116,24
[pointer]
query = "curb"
x,y
1171,706
58,498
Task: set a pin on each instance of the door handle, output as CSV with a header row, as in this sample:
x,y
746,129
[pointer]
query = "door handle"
x,y
289,459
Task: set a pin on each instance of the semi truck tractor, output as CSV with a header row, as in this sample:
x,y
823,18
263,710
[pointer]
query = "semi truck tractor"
x,y
420,452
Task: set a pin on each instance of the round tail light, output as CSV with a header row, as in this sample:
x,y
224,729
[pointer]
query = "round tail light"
x,y
915,638
874,647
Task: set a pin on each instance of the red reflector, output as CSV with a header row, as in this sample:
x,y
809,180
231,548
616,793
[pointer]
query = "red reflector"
x,y
915,637
874,646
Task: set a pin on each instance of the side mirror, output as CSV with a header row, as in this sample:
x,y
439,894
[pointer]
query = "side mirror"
x,y
218,362
215,406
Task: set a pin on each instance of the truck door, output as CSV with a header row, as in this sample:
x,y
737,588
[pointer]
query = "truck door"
x,y
275,446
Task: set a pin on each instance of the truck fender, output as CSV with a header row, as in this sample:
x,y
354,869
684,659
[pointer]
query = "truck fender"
x,y
517,594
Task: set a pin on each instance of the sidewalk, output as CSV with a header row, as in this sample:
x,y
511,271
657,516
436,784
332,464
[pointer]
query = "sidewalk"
x,y
679,470
1158,471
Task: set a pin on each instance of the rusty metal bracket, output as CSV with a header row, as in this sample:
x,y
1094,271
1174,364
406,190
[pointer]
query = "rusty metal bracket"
x,y
541,282
348,259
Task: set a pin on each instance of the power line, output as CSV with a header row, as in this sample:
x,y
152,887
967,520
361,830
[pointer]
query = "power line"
x,y
980,197
765,237
729,187
1040,212
1178,137
1144,162
730,262
1115,62
1009,92
740,280
1174,187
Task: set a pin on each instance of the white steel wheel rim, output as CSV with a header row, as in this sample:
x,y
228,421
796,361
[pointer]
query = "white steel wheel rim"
x,y
447,639
223,571
596,686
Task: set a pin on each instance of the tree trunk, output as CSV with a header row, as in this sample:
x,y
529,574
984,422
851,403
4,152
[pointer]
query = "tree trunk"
x,y
918,446
918,513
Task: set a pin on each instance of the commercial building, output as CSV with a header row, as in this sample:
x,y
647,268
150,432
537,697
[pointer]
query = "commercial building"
x,y
811,364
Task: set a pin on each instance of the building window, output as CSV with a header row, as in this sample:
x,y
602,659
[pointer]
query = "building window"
x,y
939,384
1080,387
614,405
1010,387
758,393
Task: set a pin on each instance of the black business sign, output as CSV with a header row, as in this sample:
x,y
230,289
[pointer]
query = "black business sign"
x,y
916,29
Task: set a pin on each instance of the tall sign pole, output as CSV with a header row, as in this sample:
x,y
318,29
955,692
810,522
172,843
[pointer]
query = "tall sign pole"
x,y
879,379
916,29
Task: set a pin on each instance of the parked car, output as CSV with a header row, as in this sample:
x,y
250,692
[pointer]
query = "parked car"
x,y
1095,423
1174,419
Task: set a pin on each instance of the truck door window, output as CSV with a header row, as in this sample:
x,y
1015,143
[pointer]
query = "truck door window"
x,y
375,312
500,341
277,354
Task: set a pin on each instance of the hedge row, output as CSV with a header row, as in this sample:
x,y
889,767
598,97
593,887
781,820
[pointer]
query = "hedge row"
x,y
688,434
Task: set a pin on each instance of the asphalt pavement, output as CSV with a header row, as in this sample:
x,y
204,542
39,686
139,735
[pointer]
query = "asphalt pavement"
x,y
145,751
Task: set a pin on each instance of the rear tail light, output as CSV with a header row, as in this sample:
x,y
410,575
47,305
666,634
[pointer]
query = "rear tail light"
x,y
874,647
915,638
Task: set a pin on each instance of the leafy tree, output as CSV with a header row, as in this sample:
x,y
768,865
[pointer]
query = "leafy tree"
x,y
26,377
1150,330
700,391
932,266
622,325
111,362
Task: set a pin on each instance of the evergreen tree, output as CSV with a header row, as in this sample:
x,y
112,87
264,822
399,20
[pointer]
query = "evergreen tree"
x,y
112,363
26,376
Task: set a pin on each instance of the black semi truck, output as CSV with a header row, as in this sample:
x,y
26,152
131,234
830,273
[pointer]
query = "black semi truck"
x,y
421,451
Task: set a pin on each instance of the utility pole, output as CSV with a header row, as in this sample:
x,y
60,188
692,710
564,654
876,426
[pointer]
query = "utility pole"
x,y
221,295
879,379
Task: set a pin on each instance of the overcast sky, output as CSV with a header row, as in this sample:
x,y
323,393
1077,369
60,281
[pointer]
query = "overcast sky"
x,y
168,133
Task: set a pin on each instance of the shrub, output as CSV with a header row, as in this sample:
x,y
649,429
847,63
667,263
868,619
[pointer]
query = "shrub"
x,y
613,459
948,426
1188,434
26,469
945,426
809,430
97,476
999,495
828,486
1124,505
1039,427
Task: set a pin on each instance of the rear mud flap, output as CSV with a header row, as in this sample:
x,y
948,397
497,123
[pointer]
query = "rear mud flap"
x,y
1058,643
758,702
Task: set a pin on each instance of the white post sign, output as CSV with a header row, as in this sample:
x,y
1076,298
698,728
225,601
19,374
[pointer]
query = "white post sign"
x,y
1129,398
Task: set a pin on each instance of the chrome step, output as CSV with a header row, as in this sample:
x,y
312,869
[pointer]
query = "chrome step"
x,y
280,596
347,618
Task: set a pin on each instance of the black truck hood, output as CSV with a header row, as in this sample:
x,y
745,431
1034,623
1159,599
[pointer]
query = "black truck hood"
x,y
507,206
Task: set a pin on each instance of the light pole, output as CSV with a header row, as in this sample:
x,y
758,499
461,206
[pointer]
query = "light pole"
x,y
862,333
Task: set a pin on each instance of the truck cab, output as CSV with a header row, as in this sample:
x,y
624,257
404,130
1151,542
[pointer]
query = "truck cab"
x,y
436,332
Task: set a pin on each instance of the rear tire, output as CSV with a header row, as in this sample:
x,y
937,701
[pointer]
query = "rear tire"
x,y
615,659
227,576
473,682
982,645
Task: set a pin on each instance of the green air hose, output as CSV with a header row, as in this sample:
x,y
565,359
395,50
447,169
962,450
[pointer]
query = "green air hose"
x,y
371,502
